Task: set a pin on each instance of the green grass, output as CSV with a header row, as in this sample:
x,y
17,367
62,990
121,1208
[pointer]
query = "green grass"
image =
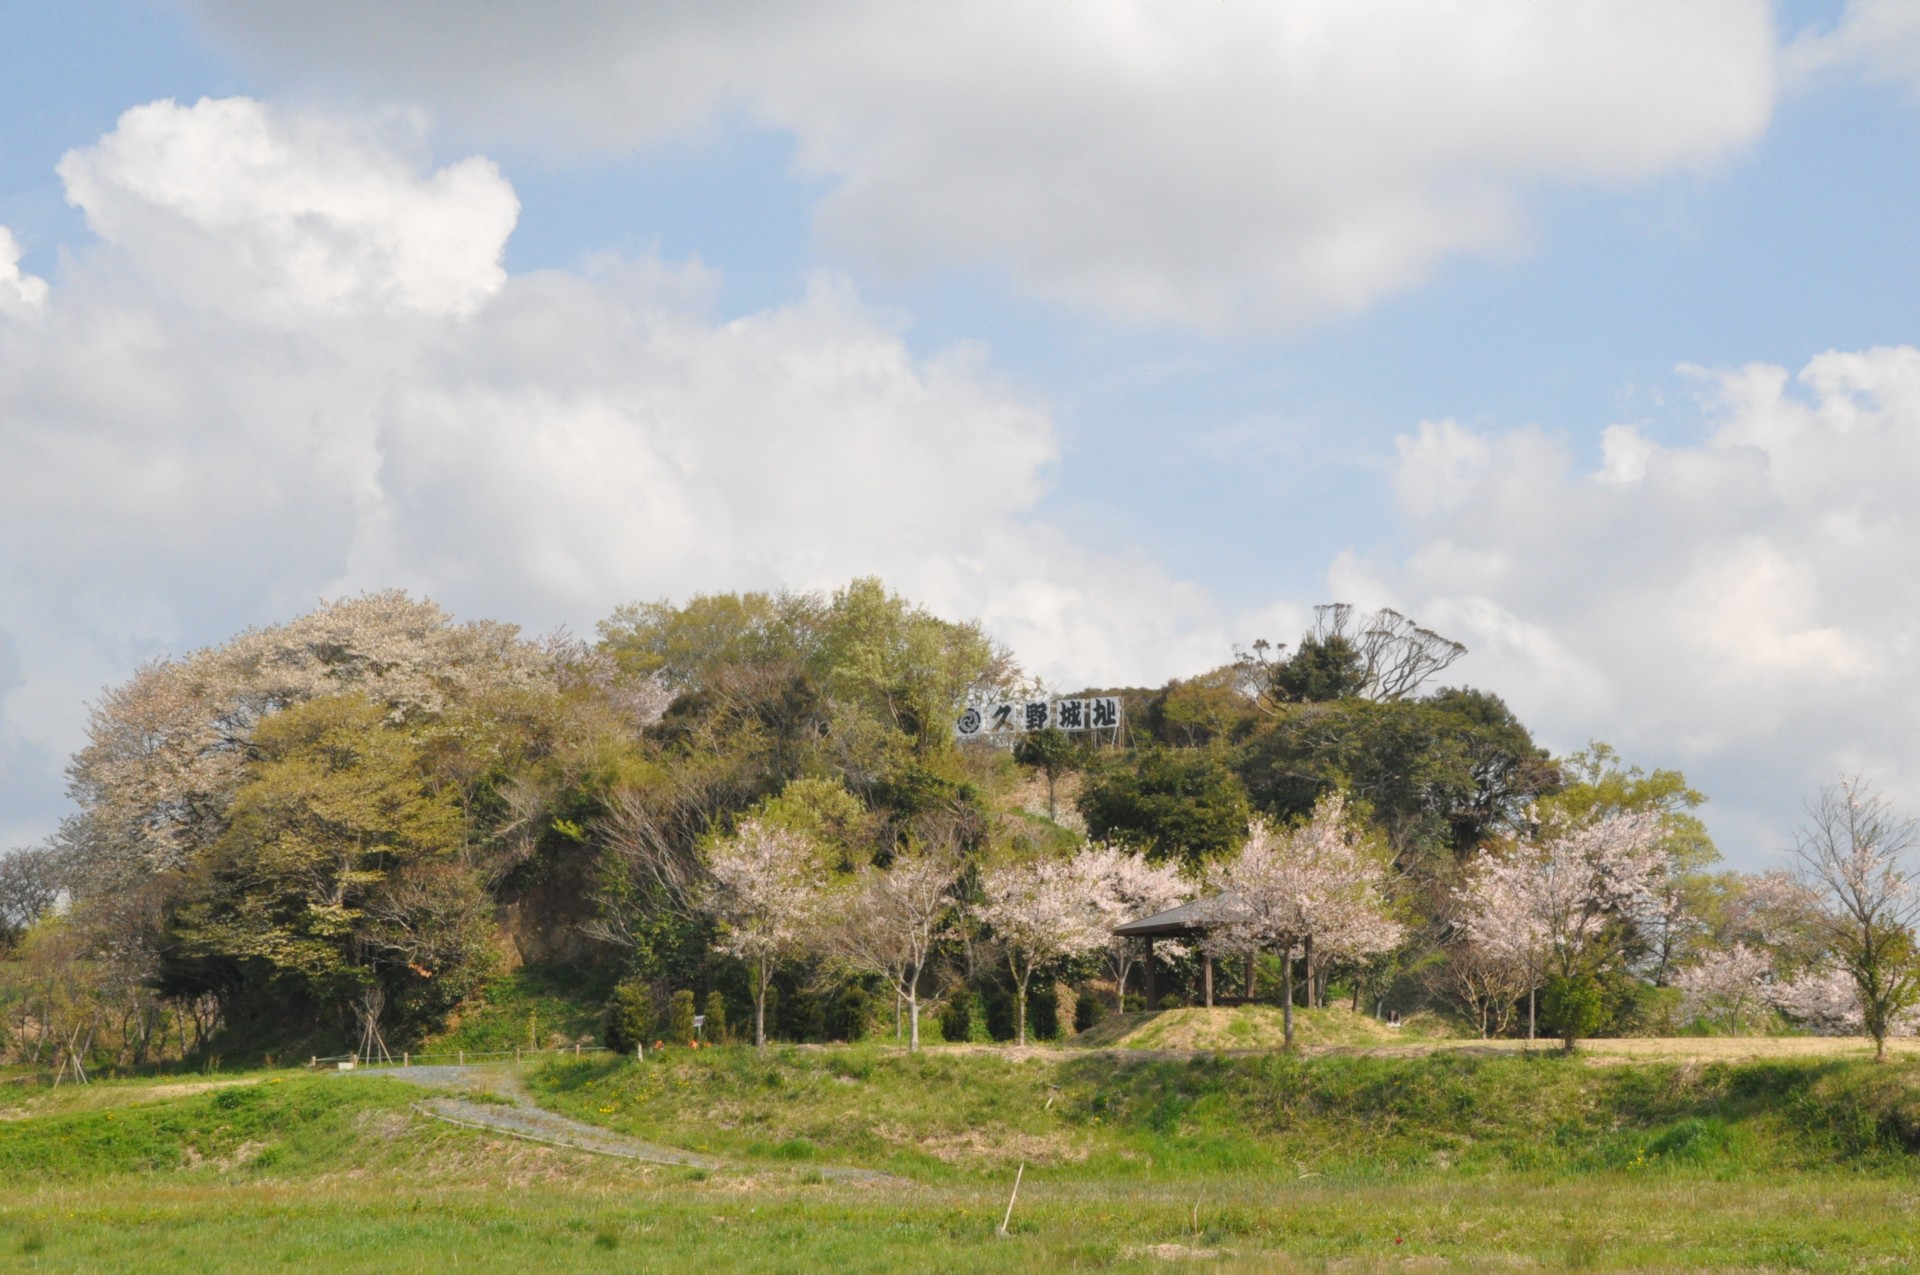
x,y
1256,1027
261,1126
1265,1162
943,1115
533,1007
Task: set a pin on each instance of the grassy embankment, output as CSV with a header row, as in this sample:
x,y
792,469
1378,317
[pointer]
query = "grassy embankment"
x,y
1463,1159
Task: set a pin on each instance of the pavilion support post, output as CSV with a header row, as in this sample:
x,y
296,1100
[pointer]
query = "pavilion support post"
x,y
1246,986
1153,995
1206,976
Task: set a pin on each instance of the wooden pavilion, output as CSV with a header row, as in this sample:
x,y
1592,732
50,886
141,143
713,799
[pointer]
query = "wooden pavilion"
x,y
1188,922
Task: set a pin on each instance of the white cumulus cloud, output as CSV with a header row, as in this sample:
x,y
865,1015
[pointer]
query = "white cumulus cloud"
x,y
292,367
1746,605
1229,164
229,204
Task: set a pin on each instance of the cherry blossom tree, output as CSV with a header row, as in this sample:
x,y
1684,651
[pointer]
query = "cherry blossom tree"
x,y
166,750
1777,913
890,921
1566,907
1041,912
1724,988
1858,852
1486,983
1346,915
764,894
1287,890
1823,1000
1124,887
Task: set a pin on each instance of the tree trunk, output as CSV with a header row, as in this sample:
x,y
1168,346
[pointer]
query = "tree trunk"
x,y
760,984
1306,962
1286,1003
1530,995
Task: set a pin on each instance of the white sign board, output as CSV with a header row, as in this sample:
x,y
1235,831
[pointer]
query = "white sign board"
x,y
998,721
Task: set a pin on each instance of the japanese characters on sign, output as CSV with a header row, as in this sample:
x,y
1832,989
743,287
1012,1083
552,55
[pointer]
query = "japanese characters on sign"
x,y
992,721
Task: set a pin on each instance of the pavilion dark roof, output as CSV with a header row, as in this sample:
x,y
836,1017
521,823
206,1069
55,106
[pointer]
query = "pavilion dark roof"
x,y
1184,922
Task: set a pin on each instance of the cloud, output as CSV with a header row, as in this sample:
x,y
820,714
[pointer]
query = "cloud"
x,y
1744,605
1878,37
225,204
292,367
1231,165
21,294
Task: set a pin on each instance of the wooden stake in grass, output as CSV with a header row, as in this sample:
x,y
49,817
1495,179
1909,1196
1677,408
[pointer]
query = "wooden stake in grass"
x,y
1010,1199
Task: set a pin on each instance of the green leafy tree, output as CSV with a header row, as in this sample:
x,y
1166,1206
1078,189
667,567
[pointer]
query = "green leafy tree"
x,y
1053,753
1322,669
716,1012
680,1017
339,876
1217,707
1439,776
629,1021
1171,803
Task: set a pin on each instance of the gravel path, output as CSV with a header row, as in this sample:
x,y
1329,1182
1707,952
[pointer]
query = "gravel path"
x,y
510,1111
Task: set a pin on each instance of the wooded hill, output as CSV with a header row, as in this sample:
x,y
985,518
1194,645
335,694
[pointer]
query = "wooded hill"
x,y
338,828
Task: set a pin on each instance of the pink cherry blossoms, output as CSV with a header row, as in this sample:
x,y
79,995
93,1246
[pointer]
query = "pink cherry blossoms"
x,y
1565,906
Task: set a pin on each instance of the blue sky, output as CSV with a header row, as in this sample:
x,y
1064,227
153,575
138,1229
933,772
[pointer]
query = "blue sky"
x,y
1155,331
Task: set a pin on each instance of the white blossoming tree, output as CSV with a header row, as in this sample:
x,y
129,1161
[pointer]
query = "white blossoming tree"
x,y
1124,886
1315,882
763,893
889,922
1825,1001
1725,988
1566,907
1859,854
1041,912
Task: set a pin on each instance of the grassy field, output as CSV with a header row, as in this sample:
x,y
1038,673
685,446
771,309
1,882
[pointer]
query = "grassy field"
x,y
1368,1157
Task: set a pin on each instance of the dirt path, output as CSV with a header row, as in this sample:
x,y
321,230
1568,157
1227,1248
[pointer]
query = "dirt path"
x,y
500,1104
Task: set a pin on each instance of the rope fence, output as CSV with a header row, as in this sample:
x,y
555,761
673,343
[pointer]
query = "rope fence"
x,y
457,1057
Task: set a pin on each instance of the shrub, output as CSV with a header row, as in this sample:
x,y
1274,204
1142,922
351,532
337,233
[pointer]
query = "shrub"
x,y
956,1016
1573,1008
849,1014
629,1020
999,1006
1043,1013
716,1028
1089,1011
680,1018
802,1016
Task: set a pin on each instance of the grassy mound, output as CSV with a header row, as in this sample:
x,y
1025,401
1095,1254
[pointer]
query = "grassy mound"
x,y
1252,1027
248,1127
